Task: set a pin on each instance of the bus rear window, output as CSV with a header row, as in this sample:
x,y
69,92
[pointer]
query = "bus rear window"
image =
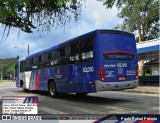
x,y
118,56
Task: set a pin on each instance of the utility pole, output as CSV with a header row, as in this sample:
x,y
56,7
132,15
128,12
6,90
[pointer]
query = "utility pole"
x,y
23,51
28,49
1,73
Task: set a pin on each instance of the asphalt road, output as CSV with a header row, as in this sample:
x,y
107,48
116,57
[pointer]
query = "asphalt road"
x,y
109,102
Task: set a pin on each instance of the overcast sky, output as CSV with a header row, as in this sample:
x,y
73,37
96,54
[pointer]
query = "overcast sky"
x,y
94,16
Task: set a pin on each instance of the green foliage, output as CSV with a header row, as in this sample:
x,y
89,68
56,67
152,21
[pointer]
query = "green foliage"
x,y
7,65
138,15
4,81
110,3
41,14
147,74
10,68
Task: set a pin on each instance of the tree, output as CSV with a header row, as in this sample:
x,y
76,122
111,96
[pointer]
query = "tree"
x,y
10,68
138,15
43,14
7,66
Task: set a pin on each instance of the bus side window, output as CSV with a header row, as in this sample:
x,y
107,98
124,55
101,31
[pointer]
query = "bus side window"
x,y
43,60
35,62
74,56
28,65
66,56
48,57
22,66
54,58
86,50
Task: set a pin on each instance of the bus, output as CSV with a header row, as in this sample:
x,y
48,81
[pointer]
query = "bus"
x,y
101,60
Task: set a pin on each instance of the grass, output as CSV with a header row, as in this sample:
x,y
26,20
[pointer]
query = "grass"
x,y
5,80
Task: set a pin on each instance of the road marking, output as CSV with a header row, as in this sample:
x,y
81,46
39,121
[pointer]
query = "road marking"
x,y
115,109
85,110
51,111
130,93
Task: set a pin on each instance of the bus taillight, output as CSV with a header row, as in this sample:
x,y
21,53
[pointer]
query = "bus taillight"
x,y
137,73
101,74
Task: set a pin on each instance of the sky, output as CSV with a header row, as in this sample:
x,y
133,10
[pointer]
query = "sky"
x,y
94,16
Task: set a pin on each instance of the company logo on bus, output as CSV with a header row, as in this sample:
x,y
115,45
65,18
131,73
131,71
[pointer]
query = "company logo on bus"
x,y
58,74
58,71
110,65
120,70
88,69
121,64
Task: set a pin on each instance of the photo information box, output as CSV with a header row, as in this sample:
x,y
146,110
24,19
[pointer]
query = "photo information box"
x,y
19,105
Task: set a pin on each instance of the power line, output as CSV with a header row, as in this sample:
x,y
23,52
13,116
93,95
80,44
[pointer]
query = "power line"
x,y
144,20
137,17
149,17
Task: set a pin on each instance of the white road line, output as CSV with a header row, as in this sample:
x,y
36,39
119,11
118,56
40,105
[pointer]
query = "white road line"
x,y
51,111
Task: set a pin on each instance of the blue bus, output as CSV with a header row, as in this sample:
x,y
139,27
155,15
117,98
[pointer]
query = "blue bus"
x,y
101,60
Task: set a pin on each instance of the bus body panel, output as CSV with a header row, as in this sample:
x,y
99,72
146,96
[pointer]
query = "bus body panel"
x,y
110,50
110,86
118,58
68,79
25,77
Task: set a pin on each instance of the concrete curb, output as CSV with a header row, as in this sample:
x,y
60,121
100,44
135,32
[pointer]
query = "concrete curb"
x,y
146,92
145,89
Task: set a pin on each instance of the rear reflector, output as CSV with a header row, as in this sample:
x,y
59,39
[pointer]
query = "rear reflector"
x,y
101,74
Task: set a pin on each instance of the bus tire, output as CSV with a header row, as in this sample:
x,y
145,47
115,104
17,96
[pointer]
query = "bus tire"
x,y
23,87
52,90
81,94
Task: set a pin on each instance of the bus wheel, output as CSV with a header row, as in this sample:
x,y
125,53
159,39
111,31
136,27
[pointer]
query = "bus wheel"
x,y
23,88
81,94
52,90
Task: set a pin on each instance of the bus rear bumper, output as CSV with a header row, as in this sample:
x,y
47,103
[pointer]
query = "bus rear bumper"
x,y
109,86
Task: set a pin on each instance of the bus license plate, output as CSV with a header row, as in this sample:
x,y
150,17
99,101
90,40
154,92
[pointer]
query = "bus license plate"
x,y
122,78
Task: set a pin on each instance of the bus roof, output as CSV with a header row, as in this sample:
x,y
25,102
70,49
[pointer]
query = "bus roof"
x,y
21,59
76,39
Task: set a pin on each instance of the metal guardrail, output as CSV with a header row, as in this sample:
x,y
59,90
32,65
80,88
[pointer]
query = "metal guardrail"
x,y
149,80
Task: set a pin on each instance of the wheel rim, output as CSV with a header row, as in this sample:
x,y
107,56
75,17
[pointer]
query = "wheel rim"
x,y
23,88
52,90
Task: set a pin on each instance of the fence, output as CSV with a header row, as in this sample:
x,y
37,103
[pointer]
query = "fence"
x,y
149,80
